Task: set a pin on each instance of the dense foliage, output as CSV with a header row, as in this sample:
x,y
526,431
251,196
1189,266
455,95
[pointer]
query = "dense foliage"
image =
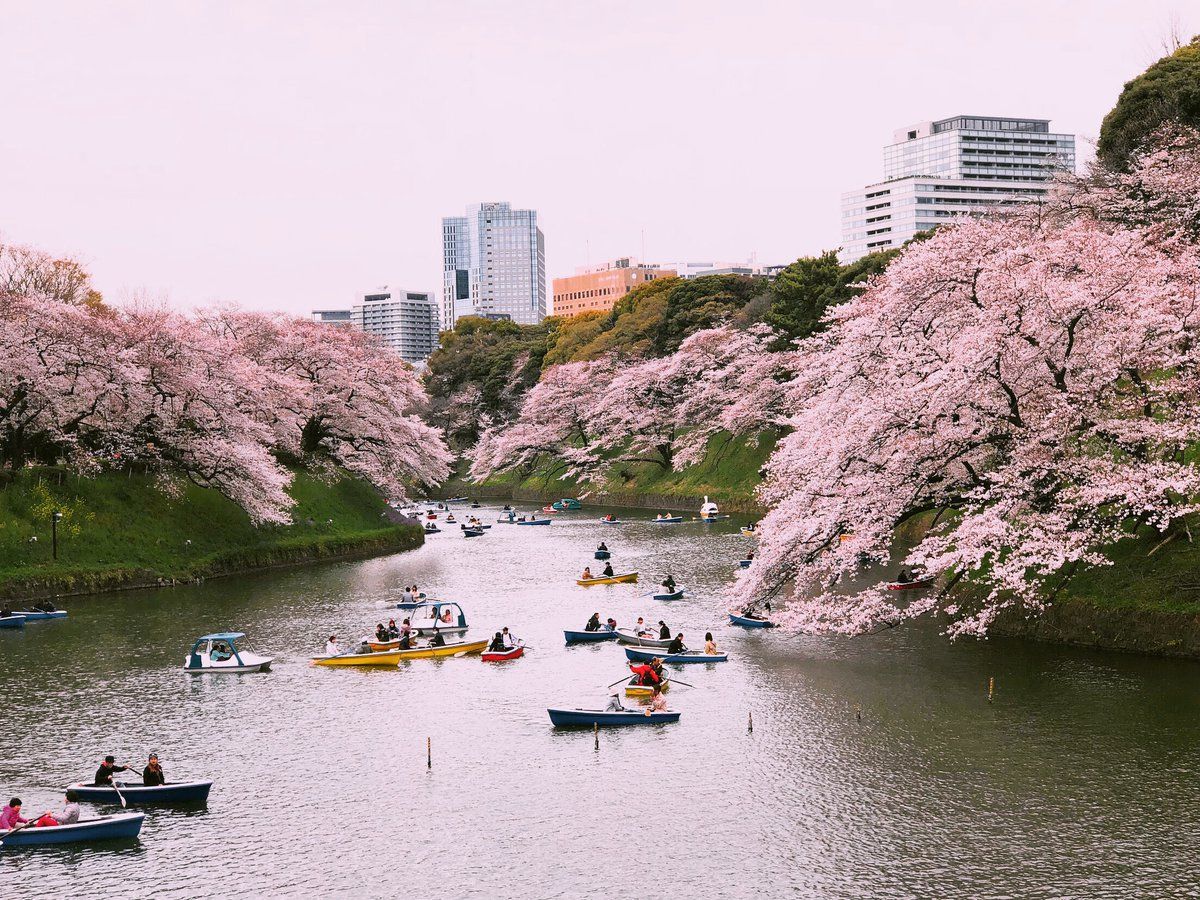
x,y
1166,93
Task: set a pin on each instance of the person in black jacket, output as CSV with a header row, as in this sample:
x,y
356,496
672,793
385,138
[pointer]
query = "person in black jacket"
x,y
104,774
664,633
593,624
152,775
676,646
608,570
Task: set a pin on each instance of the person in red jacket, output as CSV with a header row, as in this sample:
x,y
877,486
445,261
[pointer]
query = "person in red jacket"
x,y
645,673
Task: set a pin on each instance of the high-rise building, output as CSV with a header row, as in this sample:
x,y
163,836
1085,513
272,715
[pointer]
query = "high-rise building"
x,y
406,321
493,265
601,286
934,171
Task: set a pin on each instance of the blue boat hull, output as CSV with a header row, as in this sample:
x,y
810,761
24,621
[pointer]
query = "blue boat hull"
x,y
538,522
12,622
640,654
183,792
745,563
31,616
750,623
607,522
678,595
589,637
106,828
603,554
673,520
566,718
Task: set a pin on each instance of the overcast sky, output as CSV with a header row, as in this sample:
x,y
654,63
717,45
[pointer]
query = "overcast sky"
x,y
287,154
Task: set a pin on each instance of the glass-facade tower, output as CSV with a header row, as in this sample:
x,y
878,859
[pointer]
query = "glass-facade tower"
x,y
493,265
934,171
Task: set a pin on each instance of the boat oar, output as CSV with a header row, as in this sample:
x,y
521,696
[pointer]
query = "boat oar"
x,y
120,796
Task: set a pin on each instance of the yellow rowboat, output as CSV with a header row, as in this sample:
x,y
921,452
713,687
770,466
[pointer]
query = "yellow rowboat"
x,y
394,657
749,532
615,579
642,690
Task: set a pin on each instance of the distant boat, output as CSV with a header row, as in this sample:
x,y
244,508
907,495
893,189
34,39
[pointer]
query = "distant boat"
x,y
667,520
218,654
708,509
172,792
589,637
40,615
623,578
12,622
638,654
750,621
564,718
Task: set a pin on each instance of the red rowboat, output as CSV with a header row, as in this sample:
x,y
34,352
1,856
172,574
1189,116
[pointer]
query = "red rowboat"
x,y
502,655
911,585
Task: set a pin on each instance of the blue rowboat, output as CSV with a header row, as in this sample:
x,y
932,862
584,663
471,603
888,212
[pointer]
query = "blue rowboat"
x,y
611,522
105,828
565,718
37,615
172,792
640,654
677,595
589,637
472,532
603,554
747,622
534,522
669,520
745,563
12,622
433,530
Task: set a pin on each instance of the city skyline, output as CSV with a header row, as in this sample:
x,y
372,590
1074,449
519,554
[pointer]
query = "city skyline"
x,y
233,186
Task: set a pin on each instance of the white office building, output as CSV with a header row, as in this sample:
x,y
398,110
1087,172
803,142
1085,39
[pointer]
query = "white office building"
x,y
406,321
934,171
494,265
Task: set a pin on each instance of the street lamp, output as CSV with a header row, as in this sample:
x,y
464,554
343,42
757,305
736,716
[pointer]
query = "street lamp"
x,y
55,518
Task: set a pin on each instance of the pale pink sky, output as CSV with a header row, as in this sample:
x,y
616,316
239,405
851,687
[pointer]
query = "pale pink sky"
x,y
285,154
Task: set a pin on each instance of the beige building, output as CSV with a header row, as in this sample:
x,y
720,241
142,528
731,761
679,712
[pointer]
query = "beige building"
x,y
600,287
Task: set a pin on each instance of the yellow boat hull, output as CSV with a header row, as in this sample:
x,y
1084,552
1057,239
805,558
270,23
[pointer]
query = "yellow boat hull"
x,y
639,690
627,578
749,532
394,657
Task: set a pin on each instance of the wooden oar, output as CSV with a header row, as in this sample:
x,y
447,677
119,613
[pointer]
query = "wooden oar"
x,y
120,796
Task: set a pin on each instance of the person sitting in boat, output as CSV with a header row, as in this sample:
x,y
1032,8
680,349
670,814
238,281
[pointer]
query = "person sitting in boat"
x,y
611,624
640,628
659,702
45,606
905,576
676,645
593,624
664,633
153,775
587,574
331,646
393,631
656,665
608,570
645,674
506,508
405,641
437,640
11,817
603,547
447,616
381,633
221,651
750,613
509,641
610,518
710,646
614,703
70,811
669,584
104,774
749,554
405,629
497,644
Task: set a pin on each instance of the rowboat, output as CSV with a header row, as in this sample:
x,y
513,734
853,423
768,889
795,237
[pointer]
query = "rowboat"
x,y
502,655
394,657
432,529
476,524
638,654
603,554
450,520
624,578
533,521
172,792
749,532
667,520
456,500
715,517
12,622
550,509
218,653
38,615
566,718
910,585
745,563
633,688
607,521
674,595
627,636
104,828
589,637
472,532
748,622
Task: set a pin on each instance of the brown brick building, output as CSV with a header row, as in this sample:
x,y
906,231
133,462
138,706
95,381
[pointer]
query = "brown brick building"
x,y
599,287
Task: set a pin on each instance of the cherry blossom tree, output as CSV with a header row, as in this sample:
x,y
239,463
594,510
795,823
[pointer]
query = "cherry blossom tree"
x,y
1035,382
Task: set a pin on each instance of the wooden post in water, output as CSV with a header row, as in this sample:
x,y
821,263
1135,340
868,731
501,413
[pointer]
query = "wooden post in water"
x,y
596,733
991,687
750,723
429,753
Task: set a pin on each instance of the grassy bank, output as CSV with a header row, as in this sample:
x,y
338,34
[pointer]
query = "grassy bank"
x,y
120,530
728,473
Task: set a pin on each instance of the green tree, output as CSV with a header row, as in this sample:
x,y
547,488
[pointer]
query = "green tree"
x,y
1168,91
805,290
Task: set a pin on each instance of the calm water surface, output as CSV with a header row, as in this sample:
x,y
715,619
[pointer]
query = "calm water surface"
x,y
875,768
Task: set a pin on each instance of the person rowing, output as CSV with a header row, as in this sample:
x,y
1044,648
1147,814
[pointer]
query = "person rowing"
x,y
509,641
669,584
381,633
603,547
905,576
641,630
104,774
664,633
497,644
676,645
593,624
645,674
608,570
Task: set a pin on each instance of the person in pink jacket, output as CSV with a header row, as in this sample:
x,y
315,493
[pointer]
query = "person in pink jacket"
x,y
11,816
